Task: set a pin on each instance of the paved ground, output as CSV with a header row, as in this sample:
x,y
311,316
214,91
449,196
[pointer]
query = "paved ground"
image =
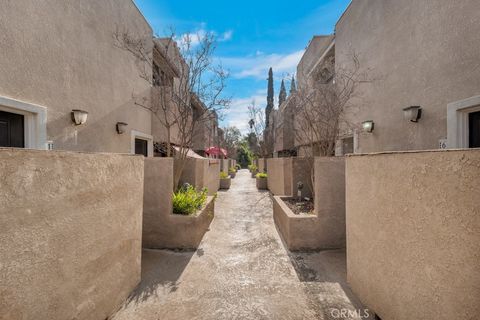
x,y
241,271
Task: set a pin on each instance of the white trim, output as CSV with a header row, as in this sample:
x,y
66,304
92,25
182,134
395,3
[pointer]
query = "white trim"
x,y
141,135
322,57
457,121
35,121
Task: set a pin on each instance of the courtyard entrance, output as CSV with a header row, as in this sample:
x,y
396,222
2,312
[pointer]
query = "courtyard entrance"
x,y
241,271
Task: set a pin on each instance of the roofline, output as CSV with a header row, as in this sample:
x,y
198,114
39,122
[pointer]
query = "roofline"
x,y
309,42
141,14
344,13
327,50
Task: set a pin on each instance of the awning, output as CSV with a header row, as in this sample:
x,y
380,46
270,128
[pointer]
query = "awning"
x,y
190,153
216,151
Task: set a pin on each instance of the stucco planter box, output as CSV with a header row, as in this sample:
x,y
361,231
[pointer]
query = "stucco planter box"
x,y
225,183
186,231
305,232
262,183
232,174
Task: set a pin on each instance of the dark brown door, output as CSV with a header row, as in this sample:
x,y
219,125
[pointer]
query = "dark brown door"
x,y
141,147
11,130
474,130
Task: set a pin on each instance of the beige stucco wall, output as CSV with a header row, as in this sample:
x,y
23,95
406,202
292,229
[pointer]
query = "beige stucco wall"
x,y
162,228
70,233
285,173
418,53
202,173
412,233
63,57
279,175
326,228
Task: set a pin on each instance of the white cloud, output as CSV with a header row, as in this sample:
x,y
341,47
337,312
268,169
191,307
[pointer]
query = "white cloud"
x,y
257,66
196,37
237,114
227,35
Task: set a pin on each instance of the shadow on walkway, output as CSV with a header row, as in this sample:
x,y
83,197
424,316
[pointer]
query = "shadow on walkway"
x,y
324,274
161,270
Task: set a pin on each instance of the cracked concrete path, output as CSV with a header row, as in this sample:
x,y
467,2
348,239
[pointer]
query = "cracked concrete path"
x,y
241,270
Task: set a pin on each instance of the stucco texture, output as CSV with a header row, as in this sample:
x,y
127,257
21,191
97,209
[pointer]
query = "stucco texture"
x,y
414,53
285,173
202,173
70,233
325,229
162,228
413,222
63,57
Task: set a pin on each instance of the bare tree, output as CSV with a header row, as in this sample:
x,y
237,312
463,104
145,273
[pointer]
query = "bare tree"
x,y
258,127
232,137
187,89
320,108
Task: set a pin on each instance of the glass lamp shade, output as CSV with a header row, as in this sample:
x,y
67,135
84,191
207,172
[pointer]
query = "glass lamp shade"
x,y
79,117
412,113
121,127
368,126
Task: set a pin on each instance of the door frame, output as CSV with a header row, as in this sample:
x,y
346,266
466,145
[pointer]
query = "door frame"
x,y
35,121
457,121
134,134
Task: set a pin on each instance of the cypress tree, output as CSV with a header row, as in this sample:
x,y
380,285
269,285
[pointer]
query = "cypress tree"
x,y
270,93
293,88
283,94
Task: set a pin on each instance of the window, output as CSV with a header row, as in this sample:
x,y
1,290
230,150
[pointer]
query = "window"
x,y
12,130
474,129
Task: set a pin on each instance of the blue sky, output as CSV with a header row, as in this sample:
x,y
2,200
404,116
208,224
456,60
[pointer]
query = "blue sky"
x,y
253,36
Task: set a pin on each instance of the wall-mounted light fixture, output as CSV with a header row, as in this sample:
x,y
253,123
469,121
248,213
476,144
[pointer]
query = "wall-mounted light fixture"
x,y
121,127
368,126
79,117
412,113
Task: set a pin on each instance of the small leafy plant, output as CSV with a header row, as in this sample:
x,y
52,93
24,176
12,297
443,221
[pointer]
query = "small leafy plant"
x,y
238,167
223,175
252,167
232,170
261,175
187,200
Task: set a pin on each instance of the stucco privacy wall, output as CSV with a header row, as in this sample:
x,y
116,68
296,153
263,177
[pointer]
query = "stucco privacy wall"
x,y
63,57
279,176
162,228
325,229
285,173
70,233
412,233
202,173
418,53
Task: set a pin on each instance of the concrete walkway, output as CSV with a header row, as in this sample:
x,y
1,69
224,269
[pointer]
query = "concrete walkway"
x,y
241,271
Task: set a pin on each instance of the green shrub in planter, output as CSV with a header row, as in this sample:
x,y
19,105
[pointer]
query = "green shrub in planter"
x,y
238,167
223,175
232,172
261,181
187,200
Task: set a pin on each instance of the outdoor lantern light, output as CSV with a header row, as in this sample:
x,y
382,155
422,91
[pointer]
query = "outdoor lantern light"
x,y
412,113
79,116
368,126
121,126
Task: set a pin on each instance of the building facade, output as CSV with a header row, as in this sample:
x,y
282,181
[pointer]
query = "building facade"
x,y
416,54
63,58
